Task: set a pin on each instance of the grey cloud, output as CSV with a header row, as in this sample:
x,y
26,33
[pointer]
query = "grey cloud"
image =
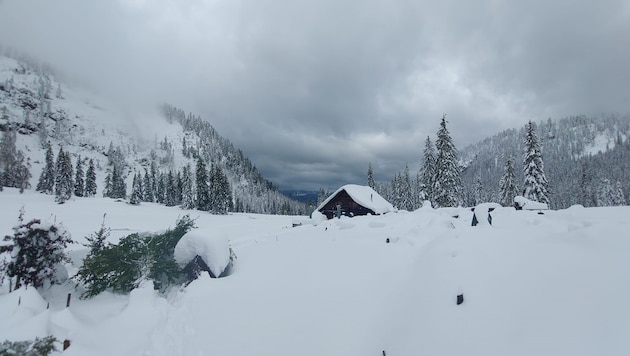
x,y
314,90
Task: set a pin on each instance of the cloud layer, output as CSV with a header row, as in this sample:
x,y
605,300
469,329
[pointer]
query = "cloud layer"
x,y
314,90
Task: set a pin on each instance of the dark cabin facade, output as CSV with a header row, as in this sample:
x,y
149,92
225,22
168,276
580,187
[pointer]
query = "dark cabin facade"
x,y
349,207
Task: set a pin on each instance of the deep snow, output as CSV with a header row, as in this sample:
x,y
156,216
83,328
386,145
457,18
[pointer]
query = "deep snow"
x,y
551,284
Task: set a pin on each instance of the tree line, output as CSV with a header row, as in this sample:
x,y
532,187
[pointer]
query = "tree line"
x,y
439,179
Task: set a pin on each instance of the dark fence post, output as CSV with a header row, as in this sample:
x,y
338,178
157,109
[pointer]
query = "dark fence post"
x,y
68,300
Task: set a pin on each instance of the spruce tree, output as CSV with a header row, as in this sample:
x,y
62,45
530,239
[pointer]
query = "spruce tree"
x,y
90,180
136,190
447,186
188,191
14,167
147,186
370,177
63,178
203,192
619,198
107,191
427,176
118,185
36,251
170,190
79,185
220,192
535,185
508,187
46,183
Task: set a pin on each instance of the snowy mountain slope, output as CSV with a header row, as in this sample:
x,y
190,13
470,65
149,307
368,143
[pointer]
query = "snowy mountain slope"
x,y
551,284
41,109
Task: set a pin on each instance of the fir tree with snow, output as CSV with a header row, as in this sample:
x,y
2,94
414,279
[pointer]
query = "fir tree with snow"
x,y
370,177
188,191
619,198
447,185
147,185
90,180
170,189
535,186
36,251
202,188
508,187
14,167
63,178
220,191
136,190
479,195
79,181
46,183
118,185
427,175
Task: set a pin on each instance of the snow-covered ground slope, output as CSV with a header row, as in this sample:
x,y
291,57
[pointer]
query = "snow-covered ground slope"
x,y
552,284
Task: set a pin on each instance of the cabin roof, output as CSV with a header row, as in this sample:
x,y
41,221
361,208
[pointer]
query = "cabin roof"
x,y
364,196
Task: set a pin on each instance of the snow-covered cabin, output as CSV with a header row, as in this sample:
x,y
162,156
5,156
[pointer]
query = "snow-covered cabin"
x,y
355,200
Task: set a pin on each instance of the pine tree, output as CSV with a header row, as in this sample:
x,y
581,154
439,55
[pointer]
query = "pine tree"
x,y
36,251
90,180
79,183
171,190
63,177
605,193
136,190
118,185
147,186
427,176
618,197
188,191
107,191
535,185
46,183
508,188
478,191
203,192
14,167
370,177
220,192
447,186
160,193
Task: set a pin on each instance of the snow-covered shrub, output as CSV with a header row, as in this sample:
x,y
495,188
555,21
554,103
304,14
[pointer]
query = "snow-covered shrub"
x,y
121,268
200,251
38,347
36,250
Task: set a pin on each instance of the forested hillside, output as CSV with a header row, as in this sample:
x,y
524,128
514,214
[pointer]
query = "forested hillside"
x,y
586,160
54,136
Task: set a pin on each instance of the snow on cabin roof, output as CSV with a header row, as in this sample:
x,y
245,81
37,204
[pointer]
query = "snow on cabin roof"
x,y
365,196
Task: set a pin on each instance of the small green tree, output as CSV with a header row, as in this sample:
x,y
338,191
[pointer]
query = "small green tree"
x,y
38,347
36,250
121,268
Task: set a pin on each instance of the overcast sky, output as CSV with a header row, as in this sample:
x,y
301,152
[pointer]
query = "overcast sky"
x,y
314,90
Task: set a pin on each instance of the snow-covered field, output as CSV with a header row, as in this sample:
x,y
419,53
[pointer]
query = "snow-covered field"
x,y
552,284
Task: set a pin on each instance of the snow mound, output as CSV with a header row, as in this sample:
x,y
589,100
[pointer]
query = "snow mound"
x,y
526,204
213,250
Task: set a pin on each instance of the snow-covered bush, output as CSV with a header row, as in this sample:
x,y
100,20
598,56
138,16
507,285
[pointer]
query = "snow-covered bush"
x,y
121,268
36,250
38,347
200,251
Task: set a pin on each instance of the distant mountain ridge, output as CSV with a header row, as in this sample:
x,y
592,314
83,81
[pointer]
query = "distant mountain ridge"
x,y
41,109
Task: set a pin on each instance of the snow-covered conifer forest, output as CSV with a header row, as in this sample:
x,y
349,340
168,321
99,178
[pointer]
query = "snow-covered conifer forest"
x,y
156,236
